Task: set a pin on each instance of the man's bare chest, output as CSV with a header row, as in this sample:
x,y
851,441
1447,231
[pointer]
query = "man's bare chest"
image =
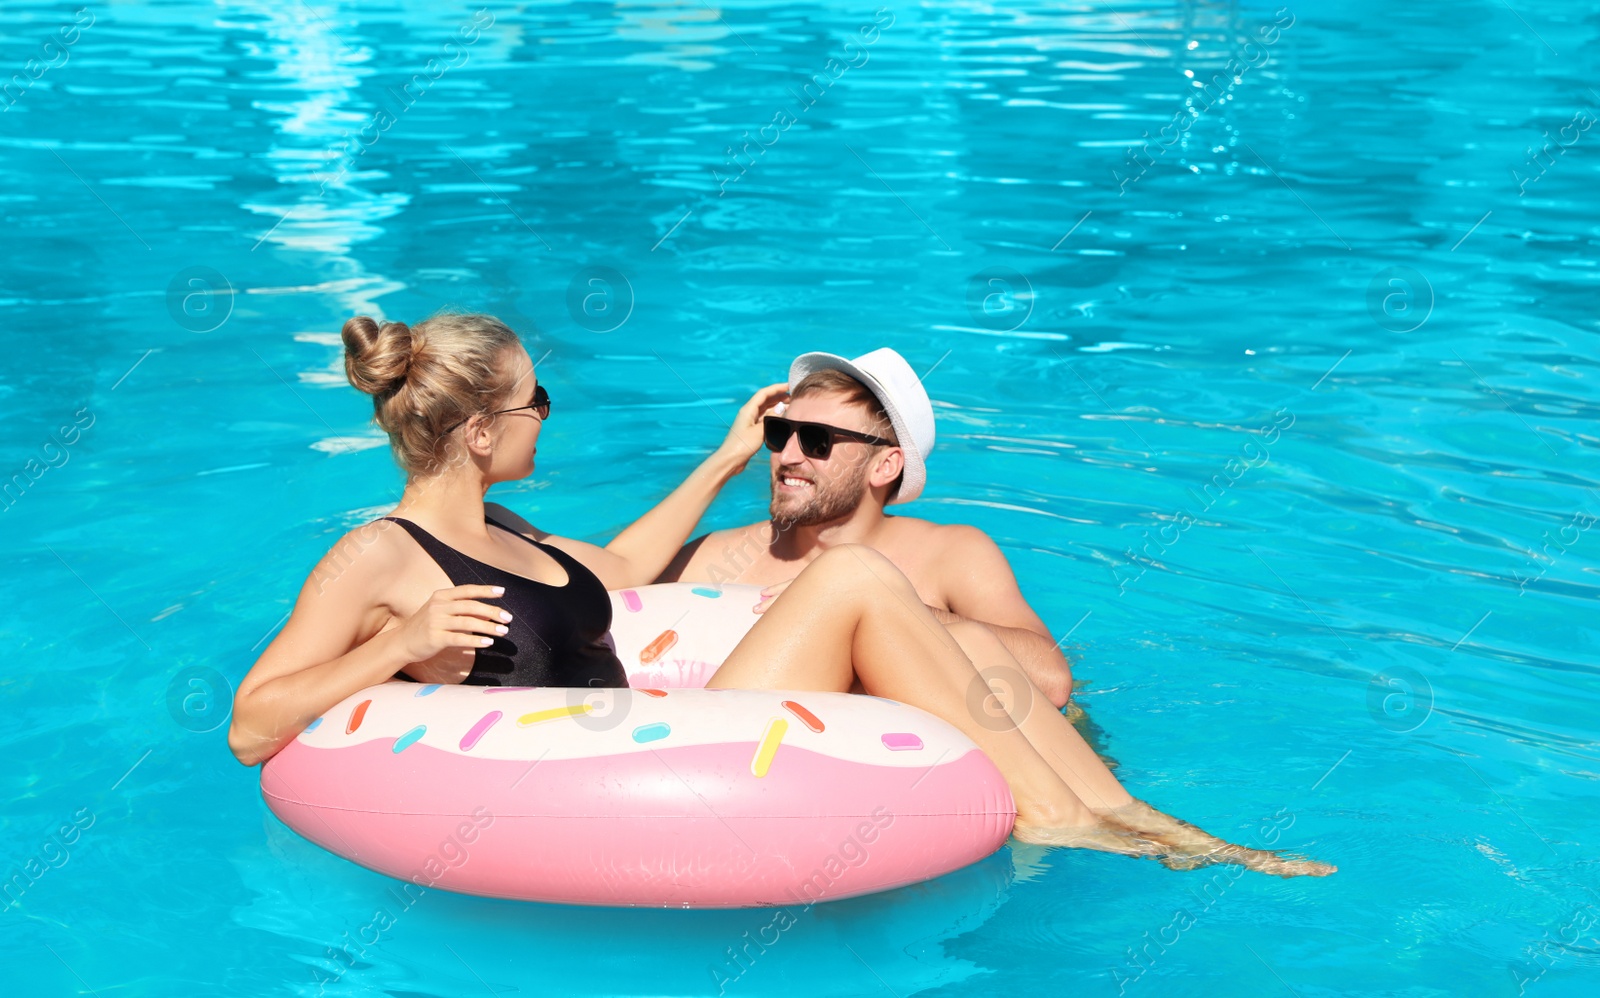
x,y
748,559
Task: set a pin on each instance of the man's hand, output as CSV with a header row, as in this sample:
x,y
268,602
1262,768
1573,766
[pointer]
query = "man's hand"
x,y
769,594
746,434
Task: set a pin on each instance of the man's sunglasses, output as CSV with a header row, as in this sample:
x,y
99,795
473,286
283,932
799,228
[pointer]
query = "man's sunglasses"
x,y
540,406
816,439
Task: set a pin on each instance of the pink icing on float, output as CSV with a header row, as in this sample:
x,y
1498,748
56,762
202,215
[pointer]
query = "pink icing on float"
x,y
674,797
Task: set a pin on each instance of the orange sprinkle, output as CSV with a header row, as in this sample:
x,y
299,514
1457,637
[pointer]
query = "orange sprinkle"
x,y
655,649
357,716
654,693
808,718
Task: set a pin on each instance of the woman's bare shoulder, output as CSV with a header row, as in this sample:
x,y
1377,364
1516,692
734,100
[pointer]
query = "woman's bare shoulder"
x,y
374,550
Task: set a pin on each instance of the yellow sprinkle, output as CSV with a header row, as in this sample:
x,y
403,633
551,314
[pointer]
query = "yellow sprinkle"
x,y
769,746
553,713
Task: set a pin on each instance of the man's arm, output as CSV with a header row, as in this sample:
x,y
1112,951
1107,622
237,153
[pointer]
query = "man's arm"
x,y
978,585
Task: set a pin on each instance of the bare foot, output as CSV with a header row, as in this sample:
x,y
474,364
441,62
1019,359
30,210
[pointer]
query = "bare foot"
x,y
1291,866
1100,837
1258,860
1141,816
1191,847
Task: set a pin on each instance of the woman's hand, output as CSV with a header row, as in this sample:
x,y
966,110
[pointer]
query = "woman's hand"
x,y
452,618
333,644
746,434
637,555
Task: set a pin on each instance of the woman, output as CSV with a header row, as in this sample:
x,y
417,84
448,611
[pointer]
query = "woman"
x,y
450,589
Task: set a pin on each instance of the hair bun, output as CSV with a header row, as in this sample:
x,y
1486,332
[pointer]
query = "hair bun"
x,y
376,357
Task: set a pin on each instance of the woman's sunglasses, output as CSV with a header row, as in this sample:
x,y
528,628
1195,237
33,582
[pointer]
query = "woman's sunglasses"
x,y
816,439
540,406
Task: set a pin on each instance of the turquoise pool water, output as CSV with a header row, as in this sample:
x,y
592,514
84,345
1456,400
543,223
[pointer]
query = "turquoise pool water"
x,y
1286,412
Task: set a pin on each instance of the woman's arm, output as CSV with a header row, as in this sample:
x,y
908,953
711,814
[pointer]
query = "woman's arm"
x,y
337,642
637,555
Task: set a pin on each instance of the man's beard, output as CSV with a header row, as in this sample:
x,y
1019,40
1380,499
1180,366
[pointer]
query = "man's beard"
x,y
825,504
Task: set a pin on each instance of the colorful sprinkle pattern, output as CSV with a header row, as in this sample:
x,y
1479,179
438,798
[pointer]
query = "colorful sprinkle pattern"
x,y
651,732
357,716
553,713
768,748
478,730
760,764
902,741
658,647
408,739
806,717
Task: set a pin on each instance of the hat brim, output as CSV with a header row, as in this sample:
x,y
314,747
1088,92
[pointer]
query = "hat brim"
x,y
915,474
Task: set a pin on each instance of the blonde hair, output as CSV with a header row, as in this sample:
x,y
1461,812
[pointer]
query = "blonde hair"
x,y
423,379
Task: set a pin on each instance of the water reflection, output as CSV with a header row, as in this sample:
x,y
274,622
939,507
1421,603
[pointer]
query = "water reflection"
x,y
358,931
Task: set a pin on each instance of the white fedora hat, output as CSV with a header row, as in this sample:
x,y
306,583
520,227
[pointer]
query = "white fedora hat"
x,y
887,375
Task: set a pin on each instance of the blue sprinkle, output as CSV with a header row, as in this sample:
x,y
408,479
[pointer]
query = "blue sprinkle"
x,y
651,732
406,740
427,689
313,725
708,593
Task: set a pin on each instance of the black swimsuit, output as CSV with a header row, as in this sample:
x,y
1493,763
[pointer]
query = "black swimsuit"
x,y
558,634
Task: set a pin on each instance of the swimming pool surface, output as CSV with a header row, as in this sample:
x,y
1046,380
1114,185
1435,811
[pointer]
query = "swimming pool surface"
x,y
1286,412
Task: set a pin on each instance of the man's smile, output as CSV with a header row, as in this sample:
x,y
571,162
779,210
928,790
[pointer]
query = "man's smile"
x,y
793,483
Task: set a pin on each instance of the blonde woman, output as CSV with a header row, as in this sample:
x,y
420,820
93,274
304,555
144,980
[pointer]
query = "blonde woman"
x,y
451,589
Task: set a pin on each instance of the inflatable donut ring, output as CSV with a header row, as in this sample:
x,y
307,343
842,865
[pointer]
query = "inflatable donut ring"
x,y
653,796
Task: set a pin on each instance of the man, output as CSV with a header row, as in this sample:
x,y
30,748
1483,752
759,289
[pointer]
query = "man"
x,y
853,439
